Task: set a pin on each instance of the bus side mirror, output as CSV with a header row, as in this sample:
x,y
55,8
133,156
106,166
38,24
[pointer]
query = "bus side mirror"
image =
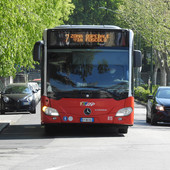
x,y
37,51
137,58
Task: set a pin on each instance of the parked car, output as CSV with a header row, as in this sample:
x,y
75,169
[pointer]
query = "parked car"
x,y
35,87
38,81
158,106
19,97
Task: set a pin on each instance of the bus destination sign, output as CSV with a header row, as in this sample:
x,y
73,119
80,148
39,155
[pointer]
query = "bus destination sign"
x,y
87,38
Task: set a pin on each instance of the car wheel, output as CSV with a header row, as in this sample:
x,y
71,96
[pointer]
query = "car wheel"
x,y
153,120
33,108
148,120
2,112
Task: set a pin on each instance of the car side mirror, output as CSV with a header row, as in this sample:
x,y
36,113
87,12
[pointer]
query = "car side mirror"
x,y
1,92
34,91
150,97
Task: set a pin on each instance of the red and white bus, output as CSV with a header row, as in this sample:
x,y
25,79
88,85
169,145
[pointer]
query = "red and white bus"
x,y
87,75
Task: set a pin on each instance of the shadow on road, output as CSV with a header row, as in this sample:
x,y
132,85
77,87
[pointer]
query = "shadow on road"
x,y
15,113
22,132
143,125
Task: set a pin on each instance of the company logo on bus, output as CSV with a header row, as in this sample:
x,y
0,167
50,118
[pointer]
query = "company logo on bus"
x,y
87,111
87,103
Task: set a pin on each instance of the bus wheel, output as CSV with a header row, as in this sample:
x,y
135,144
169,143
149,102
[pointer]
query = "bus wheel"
x,y
49,129
123,130
148,120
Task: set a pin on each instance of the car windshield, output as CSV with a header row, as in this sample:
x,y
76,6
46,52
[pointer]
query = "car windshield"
x,y
17,90
91,70
163,93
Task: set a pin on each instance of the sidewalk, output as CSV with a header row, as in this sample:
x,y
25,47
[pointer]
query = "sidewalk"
x,y
8,119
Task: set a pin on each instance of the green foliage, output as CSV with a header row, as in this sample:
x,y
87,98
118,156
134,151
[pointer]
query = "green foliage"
x,y
145,86
149,18
88,12
21,24
142,92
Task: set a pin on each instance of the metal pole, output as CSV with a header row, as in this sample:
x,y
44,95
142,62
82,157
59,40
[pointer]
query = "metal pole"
x,y
151,68
136,69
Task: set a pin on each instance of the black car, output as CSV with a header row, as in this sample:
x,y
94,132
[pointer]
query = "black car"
x,y
158,106
18,97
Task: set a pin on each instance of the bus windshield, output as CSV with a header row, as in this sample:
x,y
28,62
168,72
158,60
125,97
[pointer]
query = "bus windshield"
x,y
100,73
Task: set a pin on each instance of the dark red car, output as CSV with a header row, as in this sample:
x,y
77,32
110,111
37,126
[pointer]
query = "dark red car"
x,y
158,106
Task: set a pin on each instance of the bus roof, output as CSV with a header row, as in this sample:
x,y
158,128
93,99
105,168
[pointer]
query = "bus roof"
x,y
87,27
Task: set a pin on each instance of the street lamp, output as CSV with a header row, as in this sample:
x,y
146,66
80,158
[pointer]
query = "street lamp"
x,y
151,68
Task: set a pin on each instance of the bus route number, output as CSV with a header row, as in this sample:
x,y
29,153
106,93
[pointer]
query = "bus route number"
x,y
87,38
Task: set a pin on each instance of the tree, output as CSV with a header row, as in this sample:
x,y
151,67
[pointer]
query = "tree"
x,y
151,18
21,24
88,12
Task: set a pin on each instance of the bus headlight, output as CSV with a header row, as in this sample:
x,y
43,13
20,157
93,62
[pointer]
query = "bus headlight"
x,y
124,112
50,111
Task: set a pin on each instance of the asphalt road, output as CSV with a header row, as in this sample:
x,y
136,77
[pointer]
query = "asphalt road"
x,y
24,145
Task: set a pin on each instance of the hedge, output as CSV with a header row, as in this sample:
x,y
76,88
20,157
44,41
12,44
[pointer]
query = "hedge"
x,y
142,92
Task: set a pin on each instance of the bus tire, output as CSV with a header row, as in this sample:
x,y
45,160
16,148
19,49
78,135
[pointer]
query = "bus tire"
x,y
123,130
49,129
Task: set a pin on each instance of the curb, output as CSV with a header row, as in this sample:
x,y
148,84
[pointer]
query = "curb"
x,y
142,103
3,126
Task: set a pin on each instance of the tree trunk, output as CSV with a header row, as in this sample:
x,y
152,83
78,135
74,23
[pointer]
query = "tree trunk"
x,y
162,65
165,55
163,76
168,78
157,65
155,75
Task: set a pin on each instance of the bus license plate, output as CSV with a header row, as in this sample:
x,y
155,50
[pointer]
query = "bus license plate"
x,y
86,119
